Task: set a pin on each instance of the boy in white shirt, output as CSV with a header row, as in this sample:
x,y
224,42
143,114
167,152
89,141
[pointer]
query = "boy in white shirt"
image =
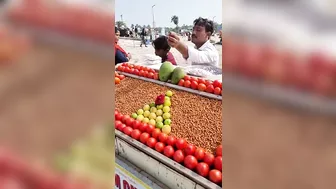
x,y
204,53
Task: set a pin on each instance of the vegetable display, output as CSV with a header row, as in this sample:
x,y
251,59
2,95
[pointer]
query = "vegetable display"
x,y
313,72
170,121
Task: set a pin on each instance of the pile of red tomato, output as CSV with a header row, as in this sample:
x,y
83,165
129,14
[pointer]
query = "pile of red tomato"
x,y
138,70
312,71
214,87
63,18
204,163
15,173
118,77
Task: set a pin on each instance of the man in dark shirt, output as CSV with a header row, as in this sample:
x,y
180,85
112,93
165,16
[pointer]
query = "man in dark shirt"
x,y
143,35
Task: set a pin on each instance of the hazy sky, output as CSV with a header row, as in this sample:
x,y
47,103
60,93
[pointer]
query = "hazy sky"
x,y
140,11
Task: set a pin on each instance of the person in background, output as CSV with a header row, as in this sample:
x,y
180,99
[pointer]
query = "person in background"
x,y
136,32
162,49
143,37
121,55
205,52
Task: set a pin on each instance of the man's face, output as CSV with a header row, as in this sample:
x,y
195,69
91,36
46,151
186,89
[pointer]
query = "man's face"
x,y
199,35
117,35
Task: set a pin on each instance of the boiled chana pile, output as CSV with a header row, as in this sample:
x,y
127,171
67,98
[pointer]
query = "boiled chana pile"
x,y
195,118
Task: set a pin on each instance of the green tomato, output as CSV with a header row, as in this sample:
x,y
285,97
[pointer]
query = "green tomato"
x,y
152,122
159,119
159,106
166,98
146,113
167,103
166,115
166,109
140,117
134,115
146,107
140,111
159,125
152,116
166,129
167,122
152,104
153,109
145,120
169,93
159,112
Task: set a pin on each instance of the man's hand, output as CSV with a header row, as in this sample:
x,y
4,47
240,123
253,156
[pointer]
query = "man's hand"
x,y
173,40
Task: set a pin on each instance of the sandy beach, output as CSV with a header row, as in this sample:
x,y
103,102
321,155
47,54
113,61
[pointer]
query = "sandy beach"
x,y
138,53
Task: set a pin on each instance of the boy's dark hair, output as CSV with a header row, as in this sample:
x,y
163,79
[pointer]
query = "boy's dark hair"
x,y
208,24
116,30
161,43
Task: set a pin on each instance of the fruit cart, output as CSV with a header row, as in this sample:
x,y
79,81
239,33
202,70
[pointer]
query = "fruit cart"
x,y
149,144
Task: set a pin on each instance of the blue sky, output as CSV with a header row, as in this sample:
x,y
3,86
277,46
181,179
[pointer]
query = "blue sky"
x,y
140,11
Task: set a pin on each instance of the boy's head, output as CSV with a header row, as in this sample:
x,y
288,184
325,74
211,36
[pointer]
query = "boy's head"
x,y
161,46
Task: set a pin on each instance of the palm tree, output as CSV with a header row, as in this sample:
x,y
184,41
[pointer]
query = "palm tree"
x,y
175,20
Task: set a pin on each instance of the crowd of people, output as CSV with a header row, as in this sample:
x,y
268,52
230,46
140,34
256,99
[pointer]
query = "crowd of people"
x,y
203,53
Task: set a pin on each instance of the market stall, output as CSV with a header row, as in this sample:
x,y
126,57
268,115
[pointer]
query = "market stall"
x,y
53,96
169,124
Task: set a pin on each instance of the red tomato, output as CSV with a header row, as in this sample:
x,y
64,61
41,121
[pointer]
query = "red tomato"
x,y
127,130
179,156
218,163
141,73
186,78
144,137
181,82
201,80
128,70
145,74
150,75
125,118
217,83
215,176
119,68
194,85
163,137
121,77
143,127
151,142
136,124
122,127
202,169
150,128
159,146
199,154
156,76
132,70
187,83
219,150
136,72
201,87
171,140
190,162
210,89
136,134
189,149
119,117
193,79
117,124
209,159
218,91
181,143
155,133
168,151
129,121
